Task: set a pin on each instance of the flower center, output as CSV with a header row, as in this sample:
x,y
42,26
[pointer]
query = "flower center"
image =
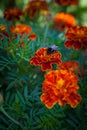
x,y
60,83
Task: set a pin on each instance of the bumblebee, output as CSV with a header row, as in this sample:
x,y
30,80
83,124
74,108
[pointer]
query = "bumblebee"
x,y
51,49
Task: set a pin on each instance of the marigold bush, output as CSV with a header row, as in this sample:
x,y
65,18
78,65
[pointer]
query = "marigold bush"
x,y
43,65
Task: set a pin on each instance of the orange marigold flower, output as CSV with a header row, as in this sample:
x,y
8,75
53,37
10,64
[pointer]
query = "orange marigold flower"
x,y
23,29
63,20
41,58
70,66
13,13
67,2
35,6
60,86
76,37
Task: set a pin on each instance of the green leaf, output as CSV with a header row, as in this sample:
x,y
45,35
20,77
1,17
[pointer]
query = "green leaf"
x,y
3,120
10,86
70,122
26,92
21,99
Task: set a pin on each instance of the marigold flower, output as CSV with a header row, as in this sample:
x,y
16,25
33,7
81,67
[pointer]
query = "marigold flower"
x,y
63,21
70,66
60,86
13,13
35,6
76,37
41,58
67,2
23,29
2,27
3,31
32,36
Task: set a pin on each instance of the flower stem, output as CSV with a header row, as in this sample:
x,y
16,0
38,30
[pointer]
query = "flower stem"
x,y
6,114
45,34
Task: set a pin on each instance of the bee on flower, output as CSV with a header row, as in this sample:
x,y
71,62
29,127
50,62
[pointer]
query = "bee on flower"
x,y
45,57
51,49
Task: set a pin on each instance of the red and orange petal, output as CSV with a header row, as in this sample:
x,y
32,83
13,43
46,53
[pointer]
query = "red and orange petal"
x,y
46,66
47,100
62,102
76,37
68,44
32,36
13,13
63,20
34,7
67,2
3,31
74,2
75,44
76,32
59,78
74,99
62,2
41,58
70,65
21,29
60,86
51,77
2,28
